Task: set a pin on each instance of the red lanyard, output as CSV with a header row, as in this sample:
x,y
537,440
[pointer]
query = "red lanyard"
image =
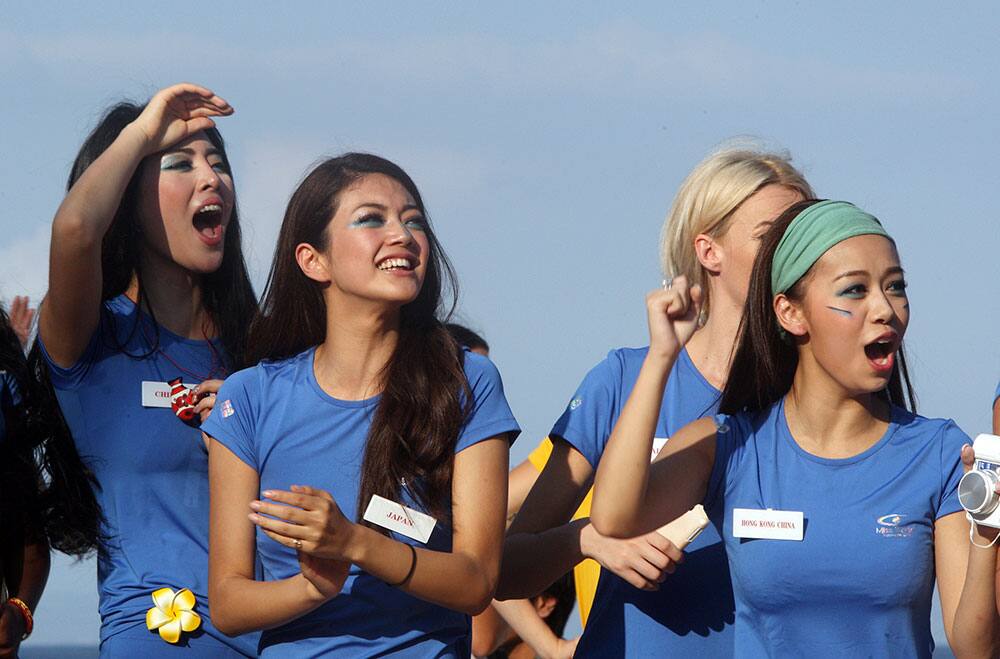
x,y
216,366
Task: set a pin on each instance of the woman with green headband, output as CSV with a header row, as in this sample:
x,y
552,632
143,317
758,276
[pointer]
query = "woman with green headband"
x,y
837,503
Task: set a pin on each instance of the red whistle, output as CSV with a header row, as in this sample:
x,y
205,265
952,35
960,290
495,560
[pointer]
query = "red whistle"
x,y
182,400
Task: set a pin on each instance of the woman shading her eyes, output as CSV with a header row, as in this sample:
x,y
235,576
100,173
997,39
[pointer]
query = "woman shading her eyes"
x,y
147,284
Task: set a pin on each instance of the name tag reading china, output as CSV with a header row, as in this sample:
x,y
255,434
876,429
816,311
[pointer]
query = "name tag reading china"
x,y
767,524
399,518
157,394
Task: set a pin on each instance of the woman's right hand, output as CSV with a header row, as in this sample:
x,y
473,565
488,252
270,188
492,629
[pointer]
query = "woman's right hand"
x,y
176,113
673,314
325,575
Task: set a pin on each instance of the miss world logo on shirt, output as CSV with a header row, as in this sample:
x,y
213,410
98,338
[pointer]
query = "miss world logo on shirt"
x,y
888,526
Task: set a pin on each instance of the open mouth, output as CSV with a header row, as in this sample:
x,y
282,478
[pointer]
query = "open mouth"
x,y
881,353
208,222
395,264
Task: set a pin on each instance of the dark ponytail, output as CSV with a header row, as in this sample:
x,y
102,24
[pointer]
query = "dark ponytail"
x,y
764,363
425,396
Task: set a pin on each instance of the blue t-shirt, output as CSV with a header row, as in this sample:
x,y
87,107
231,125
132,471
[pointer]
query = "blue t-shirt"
x,y
859,583
692,612
152,471
278,420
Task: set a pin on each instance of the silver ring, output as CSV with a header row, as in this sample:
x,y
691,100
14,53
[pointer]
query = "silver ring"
x,y
297,543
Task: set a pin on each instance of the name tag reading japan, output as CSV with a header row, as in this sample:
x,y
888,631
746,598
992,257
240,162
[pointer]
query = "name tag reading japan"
x,y
157,394
399,518
768,524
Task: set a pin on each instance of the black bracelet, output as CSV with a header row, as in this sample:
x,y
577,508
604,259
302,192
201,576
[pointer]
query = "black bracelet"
x,y
413,567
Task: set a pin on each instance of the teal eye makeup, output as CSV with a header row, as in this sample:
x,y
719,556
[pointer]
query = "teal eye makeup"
x,y
370,220
855,292
418,223
178,162
897,287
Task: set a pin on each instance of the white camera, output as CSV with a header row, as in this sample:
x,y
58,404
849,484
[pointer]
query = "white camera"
x,y
977,489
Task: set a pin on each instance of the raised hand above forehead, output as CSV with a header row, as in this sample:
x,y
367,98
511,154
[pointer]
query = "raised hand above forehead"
x,y
177,112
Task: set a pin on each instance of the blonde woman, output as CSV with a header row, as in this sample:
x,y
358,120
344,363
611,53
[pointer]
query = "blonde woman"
x,y
643,607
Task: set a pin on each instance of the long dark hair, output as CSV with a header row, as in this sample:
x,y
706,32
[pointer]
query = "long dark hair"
x,y
765,361
45,490
425,396
226,293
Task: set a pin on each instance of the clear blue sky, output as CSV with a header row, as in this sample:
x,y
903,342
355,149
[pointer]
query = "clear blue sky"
x,y
548,142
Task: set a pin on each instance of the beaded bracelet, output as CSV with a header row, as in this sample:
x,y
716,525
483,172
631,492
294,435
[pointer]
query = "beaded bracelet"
x,y
29,620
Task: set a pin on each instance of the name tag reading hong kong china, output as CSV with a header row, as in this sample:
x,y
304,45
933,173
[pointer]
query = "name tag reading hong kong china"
x,y
399,518
768,524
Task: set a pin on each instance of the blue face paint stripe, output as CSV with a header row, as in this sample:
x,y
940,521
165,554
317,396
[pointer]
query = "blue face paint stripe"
x,y
843,312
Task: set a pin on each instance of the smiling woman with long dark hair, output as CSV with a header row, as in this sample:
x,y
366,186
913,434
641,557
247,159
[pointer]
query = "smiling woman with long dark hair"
x,y
837,503
147,284
369,449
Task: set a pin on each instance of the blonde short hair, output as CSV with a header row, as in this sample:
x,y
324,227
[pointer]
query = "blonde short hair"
x,y
710,195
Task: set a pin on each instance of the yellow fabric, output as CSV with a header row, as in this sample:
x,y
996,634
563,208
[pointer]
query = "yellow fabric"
x,y
586,573
541,454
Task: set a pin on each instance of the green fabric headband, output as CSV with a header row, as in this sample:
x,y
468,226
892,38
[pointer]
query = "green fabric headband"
x,y
812,233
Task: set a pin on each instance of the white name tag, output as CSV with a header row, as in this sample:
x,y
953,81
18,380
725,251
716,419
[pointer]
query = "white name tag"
x,y
399,518
157,394
769,524
658,443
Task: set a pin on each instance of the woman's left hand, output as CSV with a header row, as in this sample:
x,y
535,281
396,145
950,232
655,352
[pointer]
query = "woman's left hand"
x,y
206,392
305,519
326,576
968,458
982,534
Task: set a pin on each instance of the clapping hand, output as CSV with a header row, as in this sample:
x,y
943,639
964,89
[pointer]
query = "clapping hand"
x,y
305,519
